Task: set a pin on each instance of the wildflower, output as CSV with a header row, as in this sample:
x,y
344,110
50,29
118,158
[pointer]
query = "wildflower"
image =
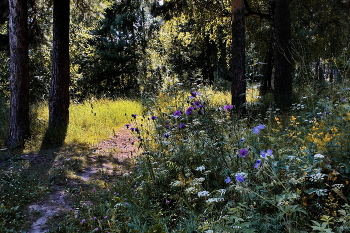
x,y
201,168
257,163
338,186
190,190
127,126
242,139
318,156
269,152
197,104
227,180
317,177
203,194
228,107
96,229
82,221
167,202
166,135
239,177
189,110
177,113
243,153
176,183
194,94
216,199
153,117
257,129
264,154
182,126
134,115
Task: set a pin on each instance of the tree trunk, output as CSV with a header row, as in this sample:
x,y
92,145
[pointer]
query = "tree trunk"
x,y
265,85
282,55
59,94
238,88
19,79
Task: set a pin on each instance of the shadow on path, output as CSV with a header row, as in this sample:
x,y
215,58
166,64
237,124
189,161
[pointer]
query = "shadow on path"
x,y
77,167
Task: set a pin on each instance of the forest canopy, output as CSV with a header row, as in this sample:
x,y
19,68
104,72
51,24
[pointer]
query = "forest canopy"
x,y
120,47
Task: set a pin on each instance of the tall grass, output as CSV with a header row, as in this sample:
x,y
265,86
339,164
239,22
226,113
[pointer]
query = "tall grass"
x,y
89,122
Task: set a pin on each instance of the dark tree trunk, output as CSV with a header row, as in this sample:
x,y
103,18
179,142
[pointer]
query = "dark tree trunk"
x,y
267,72
19,79
282,54
59,94
238,88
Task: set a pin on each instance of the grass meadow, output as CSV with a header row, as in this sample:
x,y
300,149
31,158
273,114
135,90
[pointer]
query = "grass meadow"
x,y
206,169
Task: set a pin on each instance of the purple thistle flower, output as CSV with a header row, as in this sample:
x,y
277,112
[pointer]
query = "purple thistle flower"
x,y
177,113
182,126
243,153
239,178
189,111
228,107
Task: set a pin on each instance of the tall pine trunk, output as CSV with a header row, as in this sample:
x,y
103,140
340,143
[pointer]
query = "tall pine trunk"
x,y
238,88
19,80
59,94
282,53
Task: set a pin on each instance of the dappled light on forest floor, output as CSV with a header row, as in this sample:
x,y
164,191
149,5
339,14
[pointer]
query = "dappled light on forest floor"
x,y
107,161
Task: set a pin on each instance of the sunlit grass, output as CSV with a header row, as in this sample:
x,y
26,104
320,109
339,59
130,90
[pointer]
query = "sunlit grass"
x,y
89,122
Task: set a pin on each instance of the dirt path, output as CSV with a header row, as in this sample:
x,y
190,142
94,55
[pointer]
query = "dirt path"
x,y
114,156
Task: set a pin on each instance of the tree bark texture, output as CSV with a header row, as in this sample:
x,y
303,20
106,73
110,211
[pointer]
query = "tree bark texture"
x,y
59,94
282,53
238,88
19,79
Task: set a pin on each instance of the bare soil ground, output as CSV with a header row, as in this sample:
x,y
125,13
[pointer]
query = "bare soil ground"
x,y
113,157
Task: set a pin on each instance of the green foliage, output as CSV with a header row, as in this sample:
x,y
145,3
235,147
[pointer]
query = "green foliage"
x,y
205,169
112,70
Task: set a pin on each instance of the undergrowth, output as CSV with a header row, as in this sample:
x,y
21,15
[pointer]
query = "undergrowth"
x,y
204,169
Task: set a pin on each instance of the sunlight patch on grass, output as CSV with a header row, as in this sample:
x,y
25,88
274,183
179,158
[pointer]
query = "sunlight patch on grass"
x,y
90,122
96,120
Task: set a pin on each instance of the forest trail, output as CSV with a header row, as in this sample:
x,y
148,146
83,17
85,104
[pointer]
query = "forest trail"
x,y
112,157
